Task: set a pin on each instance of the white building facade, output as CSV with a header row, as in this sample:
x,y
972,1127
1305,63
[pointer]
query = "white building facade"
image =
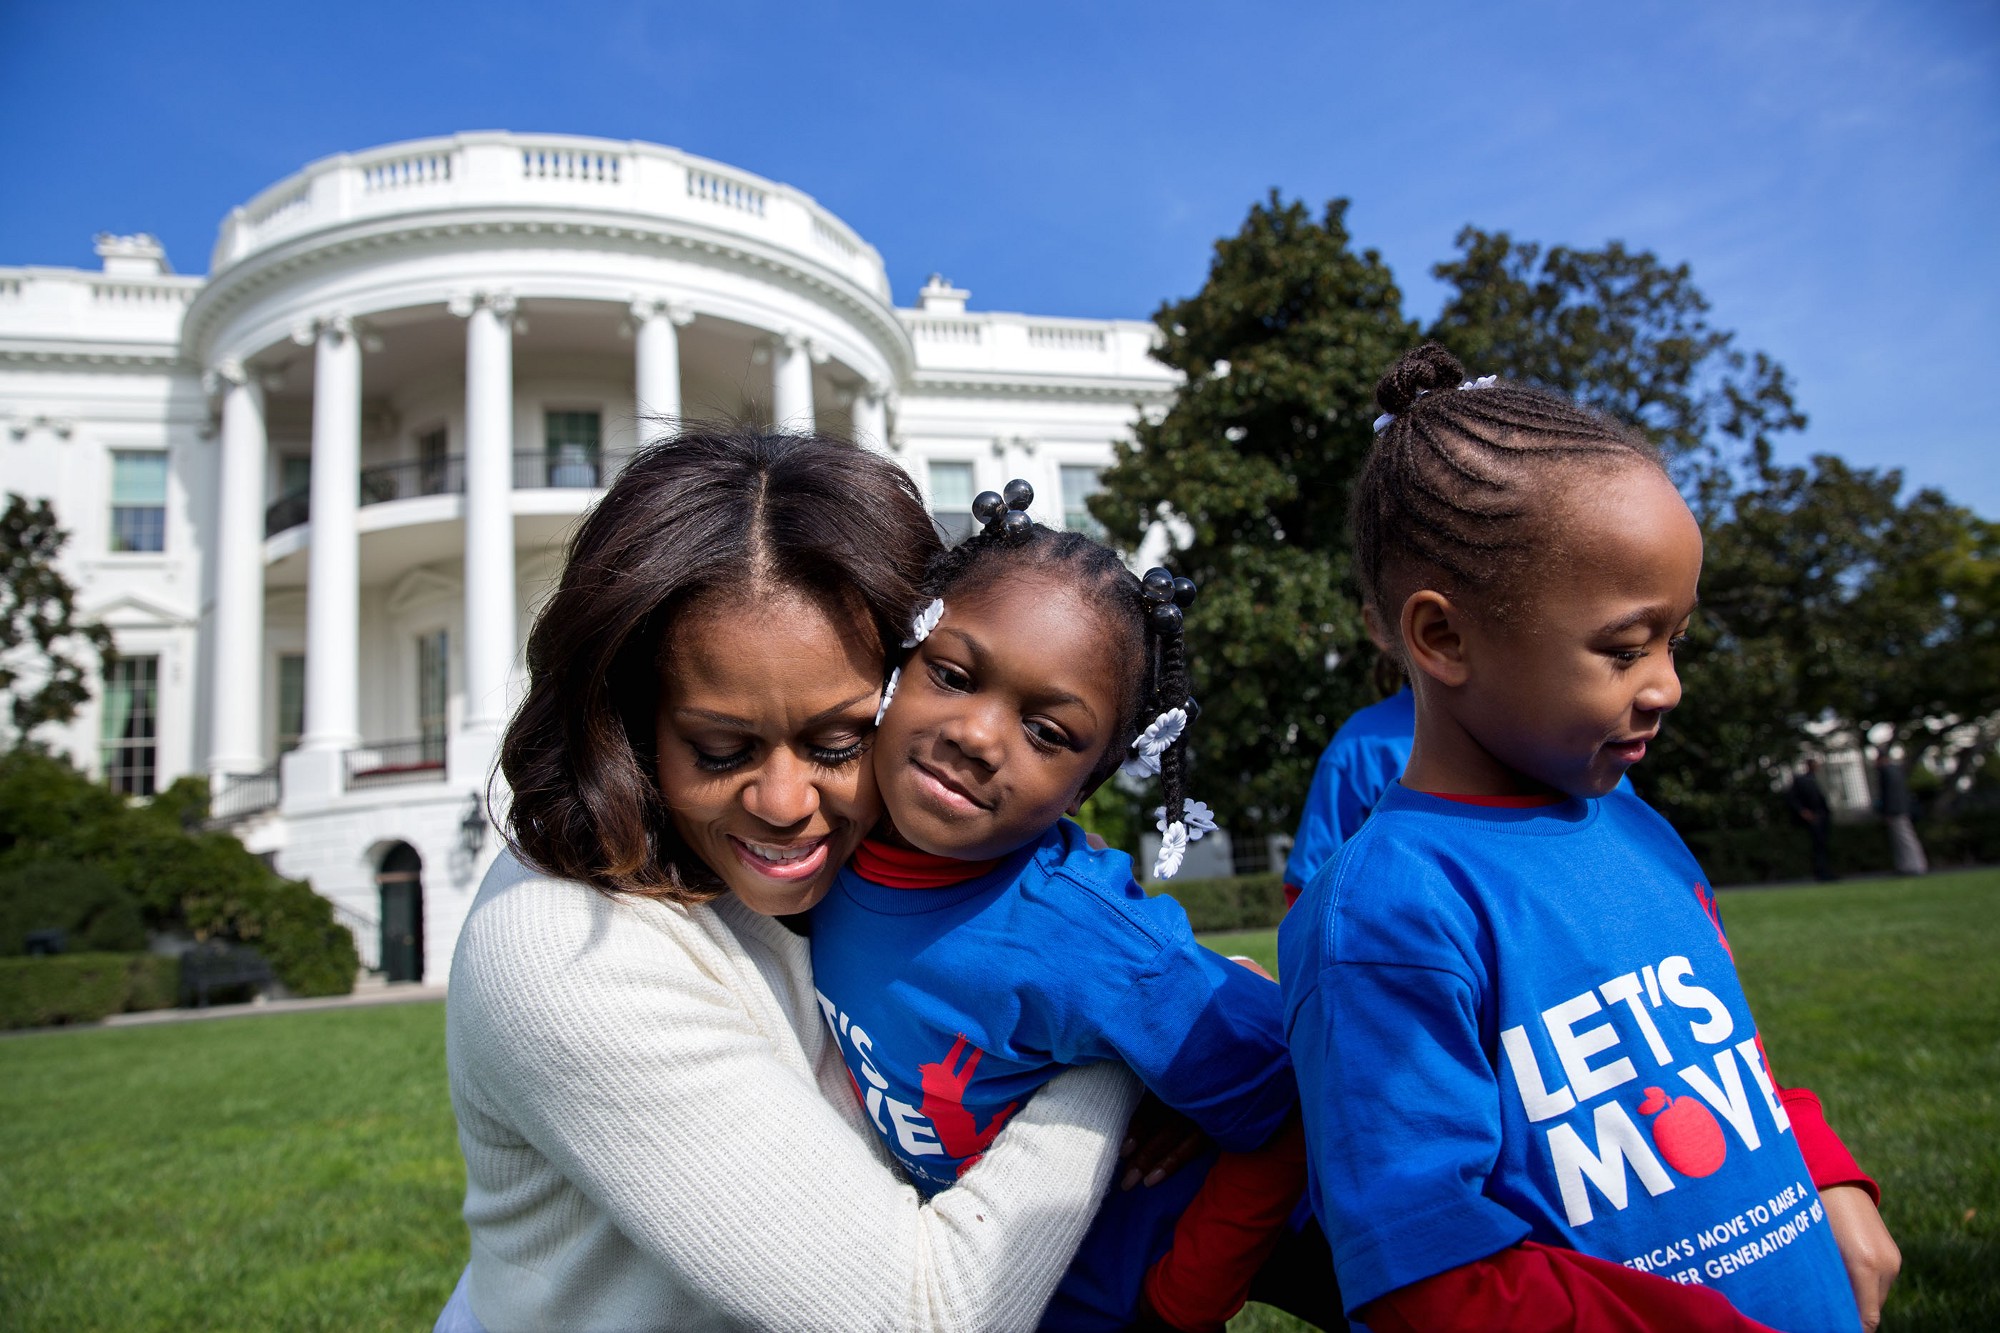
x,y
319,494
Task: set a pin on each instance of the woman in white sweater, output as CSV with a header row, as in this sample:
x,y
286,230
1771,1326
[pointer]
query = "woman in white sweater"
x,y
657,1132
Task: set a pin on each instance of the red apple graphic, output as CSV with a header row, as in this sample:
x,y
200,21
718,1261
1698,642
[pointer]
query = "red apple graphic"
x,y
1686,1133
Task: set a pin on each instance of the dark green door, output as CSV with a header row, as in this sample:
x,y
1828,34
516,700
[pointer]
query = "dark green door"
x,y
402,918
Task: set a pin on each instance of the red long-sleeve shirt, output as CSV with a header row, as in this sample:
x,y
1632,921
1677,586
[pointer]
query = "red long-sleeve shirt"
x,y
1535,1288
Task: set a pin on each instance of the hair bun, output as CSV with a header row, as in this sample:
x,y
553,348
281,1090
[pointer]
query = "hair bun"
x,y
1419,371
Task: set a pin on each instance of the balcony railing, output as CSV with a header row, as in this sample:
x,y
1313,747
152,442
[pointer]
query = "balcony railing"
x,y
240,795
409,479
387,763
513,171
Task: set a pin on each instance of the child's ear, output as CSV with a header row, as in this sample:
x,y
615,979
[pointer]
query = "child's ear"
x,y
1084,793
1434,637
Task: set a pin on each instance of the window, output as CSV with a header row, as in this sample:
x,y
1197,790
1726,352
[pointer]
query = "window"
x,y
138,500
295,475
131,715
291,701
1078,485
572,447
433,688
433,462
951,499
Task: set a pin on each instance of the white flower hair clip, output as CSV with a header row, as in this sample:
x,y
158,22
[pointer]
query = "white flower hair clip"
x,y
1173,846
1141,766
1163,731
926,621
1196,815
888,693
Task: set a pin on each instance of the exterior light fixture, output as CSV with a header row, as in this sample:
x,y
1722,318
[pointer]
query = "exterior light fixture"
x,y
472,829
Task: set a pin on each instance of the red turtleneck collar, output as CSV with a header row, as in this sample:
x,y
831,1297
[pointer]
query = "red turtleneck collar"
x,y
908,868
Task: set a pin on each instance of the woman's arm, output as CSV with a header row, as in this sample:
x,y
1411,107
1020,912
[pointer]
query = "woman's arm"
x,y
630,1047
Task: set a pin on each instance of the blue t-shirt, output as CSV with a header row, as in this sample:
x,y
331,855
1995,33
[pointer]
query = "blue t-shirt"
x,y
1365,756
953,1005
1518,1025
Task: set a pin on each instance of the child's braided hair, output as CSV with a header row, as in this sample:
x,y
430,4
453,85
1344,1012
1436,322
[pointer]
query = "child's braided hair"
x,y
1458,485
1147,612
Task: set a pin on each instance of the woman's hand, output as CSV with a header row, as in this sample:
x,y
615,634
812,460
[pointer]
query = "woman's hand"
x,y
1866,1247
1159,1142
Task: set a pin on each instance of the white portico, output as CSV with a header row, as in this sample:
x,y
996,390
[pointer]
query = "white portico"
x,y
372,424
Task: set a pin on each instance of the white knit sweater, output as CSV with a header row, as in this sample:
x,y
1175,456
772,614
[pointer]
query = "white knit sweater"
x,y
657,1135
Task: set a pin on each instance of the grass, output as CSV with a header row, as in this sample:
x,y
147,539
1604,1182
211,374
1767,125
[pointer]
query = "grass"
x,y
296,1171
300,1171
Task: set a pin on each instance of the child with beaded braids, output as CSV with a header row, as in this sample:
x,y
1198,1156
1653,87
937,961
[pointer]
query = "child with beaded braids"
x,y
977,945
1534,1095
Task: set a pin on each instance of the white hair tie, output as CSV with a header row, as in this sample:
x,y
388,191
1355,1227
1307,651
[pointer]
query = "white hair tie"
x,y
1483,382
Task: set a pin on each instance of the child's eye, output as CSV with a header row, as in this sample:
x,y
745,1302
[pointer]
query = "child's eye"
x,y
1046,735
1678,642
951,678
1625,657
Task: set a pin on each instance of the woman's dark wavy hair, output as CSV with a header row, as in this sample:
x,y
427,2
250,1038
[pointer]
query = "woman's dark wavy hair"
x,y
1458,485
707,511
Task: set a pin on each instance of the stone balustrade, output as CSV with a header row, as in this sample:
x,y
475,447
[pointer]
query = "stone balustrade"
x,y
469,172
58,303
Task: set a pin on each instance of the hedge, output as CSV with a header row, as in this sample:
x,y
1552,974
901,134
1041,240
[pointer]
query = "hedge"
x,y
1240,902
1767,855
84,987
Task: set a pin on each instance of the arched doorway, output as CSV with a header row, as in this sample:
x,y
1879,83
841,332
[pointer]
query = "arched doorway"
x,y
401,881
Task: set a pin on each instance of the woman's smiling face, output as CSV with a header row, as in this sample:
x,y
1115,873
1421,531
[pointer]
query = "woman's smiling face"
x,y
767,708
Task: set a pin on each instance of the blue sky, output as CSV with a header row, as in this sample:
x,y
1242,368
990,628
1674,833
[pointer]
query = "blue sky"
x,y
1831,171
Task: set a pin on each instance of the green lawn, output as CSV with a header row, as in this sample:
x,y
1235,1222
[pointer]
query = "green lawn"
x,y
300,1172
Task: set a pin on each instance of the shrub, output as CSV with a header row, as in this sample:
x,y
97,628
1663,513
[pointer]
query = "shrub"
x,y
177,877
155,983
83,987
85,902
1238,902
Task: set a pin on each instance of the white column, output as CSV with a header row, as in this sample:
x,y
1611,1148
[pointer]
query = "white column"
x,y
236,685
314,773
657,365
489,524
791,383
871,418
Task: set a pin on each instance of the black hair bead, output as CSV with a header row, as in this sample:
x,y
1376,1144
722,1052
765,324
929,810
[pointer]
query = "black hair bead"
x,y
1158,585
1165,618
1193,709
1019,494
1016,523
1184,593
987,506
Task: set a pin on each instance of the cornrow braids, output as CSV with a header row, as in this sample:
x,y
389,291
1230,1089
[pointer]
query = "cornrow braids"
x,y
1146,613
1460,481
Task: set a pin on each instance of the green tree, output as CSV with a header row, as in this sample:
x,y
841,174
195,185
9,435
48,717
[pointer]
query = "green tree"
x,y
1251,471
1624,333
1885,603
46,653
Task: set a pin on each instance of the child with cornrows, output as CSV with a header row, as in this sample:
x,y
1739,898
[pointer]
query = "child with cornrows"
x,y
1534,1095
976,945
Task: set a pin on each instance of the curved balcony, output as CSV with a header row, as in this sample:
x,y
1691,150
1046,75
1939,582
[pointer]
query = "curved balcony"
x,y
409,479
558,172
